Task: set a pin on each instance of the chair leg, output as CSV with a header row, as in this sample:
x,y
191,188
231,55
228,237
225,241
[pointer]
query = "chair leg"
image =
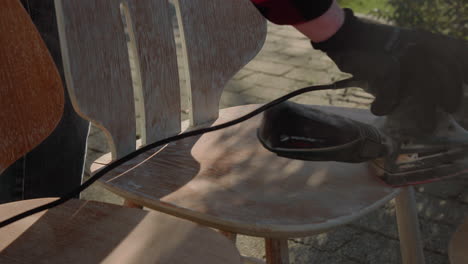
x,y
130,204
277,251
411,245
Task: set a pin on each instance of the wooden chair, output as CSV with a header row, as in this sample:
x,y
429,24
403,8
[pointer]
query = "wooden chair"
x,y
458,248
31,104
224,179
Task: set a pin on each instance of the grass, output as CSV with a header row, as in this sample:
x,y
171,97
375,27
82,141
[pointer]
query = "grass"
x,y
364,6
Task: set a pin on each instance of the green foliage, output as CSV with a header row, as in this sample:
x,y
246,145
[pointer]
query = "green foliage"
x,y
449,17
365,6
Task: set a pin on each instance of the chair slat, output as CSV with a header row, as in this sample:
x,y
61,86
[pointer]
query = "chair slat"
x,y
31,92
216,49
97,70
151,30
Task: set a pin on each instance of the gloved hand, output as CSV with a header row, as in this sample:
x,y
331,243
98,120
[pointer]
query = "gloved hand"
x,y
395,64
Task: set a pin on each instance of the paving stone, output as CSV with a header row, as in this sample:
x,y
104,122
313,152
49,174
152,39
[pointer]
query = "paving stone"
x,y
229,99
319,93
275,40
330,241
98,142
300,62
299,43
237,86
313,62
382,221
97,193
464,197
446,188
433,258
358,99
350,103
311,99
301,254
271,81
448,211
268,67
344,103
306,75
93,130
266,55
436,236
259,91
337,93
242,74
272,28
321,64
358,92
251,246
91,156
273,47
373,249
286,31
296,52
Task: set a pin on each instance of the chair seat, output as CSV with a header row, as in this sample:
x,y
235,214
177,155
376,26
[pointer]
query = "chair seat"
x,y
227,180
92,232
458,248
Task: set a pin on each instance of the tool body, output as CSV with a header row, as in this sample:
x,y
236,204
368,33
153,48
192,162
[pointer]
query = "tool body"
x,y
404,148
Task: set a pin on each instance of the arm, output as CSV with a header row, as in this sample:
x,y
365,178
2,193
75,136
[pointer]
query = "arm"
x,y
318,20
391,63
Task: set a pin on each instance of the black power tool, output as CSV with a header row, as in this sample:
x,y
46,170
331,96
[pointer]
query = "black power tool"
x,y
401,147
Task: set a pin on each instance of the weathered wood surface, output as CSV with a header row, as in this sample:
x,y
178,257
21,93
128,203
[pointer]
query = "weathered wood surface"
x,y
97,69
458,248
31,93
226,179
219,37
151,31
93,38
91,232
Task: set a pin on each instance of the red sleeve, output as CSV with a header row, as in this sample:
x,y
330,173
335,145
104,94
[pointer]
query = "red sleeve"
x,y
291,12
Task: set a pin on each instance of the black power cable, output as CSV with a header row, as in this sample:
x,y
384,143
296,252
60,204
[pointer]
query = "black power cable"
x,y
338,85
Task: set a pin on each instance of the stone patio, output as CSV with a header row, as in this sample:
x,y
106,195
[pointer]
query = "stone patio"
x,y
286,63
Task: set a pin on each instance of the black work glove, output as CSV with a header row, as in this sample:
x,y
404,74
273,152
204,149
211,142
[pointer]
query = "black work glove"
x,y
395,64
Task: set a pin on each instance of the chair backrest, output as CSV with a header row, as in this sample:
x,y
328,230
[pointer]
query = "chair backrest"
x,y
31,93
218,38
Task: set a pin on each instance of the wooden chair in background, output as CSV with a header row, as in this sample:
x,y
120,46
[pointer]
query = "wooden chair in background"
x,y
224,179
31,104
458,248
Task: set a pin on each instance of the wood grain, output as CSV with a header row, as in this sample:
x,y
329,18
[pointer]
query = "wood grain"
x,y
97,69
458,248
91,232
219,37
277,251
151,28
31,93
227,180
